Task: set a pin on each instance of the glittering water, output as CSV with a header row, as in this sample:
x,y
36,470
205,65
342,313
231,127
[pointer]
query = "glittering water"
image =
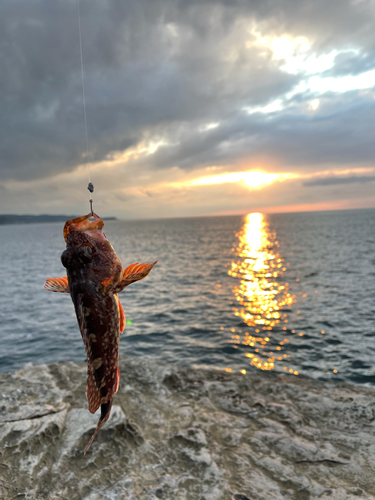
x,y
290,292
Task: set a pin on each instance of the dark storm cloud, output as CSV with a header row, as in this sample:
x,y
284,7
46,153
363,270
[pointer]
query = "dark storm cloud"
x,y
329,181
165,67
341,134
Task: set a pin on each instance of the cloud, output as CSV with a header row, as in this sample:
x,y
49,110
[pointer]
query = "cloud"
x,y
158,73
329,181
352,62
146,67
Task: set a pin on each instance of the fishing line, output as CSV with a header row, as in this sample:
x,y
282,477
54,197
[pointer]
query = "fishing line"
x,y
90,187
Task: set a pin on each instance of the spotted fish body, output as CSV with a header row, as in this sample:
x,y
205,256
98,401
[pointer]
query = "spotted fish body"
x,y
94,278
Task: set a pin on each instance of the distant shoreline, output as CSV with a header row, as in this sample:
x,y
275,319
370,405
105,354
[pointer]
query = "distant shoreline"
x,y
32,219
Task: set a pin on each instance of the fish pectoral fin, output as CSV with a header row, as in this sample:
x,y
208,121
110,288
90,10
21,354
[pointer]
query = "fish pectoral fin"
x,y
59,285
132,273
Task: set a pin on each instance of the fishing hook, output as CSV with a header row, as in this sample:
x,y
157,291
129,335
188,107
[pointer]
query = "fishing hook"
x,y
90,187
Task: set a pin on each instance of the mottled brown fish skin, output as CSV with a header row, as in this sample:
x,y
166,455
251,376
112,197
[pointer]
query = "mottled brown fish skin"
x,y
93,270
95,277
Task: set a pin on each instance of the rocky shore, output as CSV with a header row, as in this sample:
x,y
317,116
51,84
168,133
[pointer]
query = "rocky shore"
x,y
184,434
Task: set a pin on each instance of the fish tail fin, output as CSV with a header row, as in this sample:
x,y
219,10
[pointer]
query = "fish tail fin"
x,y
132,273
105,414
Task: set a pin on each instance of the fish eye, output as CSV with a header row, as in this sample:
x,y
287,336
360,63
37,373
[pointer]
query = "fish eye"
x,y
66,258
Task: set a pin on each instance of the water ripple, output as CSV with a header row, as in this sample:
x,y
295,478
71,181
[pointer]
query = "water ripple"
x,y
292,293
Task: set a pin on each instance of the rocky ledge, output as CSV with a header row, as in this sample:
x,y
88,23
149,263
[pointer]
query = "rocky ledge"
x,y
184,434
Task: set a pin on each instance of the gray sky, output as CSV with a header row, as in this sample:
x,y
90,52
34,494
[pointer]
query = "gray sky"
x,y
193,108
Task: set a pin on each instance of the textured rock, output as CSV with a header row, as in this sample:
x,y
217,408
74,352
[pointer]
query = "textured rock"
x,y
182,434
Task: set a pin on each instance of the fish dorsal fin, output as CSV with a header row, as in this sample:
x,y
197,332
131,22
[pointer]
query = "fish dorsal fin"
x,y
122,317
132,273
59,285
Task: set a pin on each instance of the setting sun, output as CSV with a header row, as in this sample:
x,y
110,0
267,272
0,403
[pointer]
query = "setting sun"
x,y
258,179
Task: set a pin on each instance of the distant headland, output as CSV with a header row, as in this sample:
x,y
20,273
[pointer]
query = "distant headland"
x,y
31,219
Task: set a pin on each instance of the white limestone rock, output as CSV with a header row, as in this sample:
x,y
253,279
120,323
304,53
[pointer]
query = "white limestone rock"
x,y
183,434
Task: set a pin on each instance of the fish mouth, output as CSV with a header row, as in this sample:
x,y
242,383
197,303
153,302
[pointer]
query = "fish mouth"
x,y
90,223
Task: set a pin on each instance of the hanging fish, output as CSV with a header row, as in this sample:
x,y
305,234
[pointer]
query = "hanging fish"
x,y
95,277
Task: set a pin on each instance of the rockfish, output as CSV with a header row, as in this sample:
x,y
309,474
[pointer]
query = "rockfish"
x,y
95,277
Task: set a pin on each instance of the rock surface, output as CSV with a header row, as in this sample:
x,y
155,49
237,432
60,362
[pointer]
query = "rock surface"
x,y
184,434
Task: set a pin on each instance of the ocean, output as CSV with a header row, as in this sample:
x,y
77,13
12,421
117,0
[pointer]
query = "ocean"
x,y
293,293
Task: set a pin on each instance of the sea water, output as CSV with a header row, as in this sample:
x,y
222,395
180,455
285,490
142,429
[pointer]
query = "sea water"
x,y
292,293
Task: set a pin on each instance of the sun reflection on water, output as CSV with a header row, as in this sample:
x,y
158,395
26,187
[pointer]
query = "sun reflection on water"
x,y
261,292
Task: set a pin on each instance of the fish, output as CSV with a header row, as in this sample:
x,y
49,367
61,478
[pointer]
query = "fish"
x,y
95,277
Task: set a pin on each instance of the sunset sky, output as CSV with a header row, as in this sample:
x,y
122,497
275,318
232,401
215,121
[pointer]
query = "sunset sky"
x,y
193,107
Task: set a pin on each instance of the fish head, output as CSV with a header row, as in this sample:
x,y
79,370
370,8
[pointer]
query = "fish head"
x,y
89,257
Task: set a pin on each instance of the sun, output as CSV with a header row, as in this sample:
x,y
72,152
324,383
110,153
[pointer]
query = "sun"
x,y
258,179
